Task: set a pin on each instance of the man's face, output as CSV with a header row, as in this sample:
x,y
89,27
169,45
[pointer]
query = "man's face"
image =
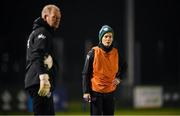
x,y
107,39
53,19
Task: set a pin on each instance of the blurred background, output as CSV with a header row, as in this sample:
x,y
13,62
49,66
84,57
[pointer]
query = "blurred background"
x,y
146,34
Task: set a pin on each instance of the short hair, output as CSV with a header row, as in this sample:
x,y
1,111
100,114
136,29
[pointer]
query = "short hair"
x,y
47,10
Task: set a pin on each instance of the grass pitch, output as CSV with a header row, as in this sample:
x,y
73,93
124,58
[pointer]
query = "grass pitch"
x,y
75,108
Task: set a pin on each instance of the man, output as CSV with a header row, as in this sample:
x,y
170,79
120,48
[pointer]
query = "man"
x,y
102,73
41,63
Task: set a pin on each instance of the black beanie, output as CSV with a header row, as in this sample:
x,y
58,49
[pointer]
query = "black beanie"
x,y
105,29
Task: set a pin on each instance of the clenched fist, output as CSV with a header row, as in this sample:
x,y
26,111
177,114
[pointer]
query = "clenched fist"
x,y
87,97
44,85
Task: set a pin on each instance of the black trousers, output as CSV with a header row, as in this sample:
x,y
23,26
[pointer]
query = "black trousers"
x,y
102,103
41,105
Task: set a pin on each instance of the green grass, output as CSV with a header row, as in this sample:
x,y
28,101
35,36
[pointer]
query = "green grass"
x,y
75,108
131,112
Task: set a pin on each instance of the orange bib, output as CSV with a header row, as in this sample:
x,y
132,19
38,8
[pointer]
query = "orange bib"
x,y
105,67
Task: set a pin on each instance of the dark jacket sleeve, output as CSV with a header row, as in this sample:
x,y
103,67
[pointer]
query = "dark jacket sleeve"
x,y
41,49
87,72
122,68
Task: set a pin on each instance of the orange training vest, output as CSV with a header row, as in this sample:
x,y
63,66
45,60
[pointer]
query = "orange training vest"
x,y
105,67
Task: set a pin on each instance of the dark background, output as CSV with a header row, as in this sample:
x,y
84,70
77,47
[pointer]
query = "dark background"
x,y
156,29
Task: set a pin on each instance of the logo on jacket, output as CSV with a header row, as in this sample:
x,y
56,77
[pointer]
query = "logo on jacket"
x,y
41,36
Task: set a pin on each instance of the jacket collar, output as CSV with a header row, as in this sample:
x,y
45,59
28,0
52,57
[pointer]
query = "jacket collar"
x,y
39,22
106,49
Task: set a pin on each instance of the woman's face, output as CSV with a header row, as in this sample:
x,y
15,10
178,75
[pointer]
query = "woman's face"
x,y
107,39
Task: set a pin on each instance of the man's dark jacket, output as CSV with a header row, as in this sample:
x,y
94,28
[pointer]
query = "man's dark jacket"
x,y
39,45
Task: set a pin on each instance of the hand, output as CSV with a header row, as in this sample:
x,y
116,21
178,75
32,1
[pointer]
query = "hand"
x,y
44,85
48,61
116,81
87,97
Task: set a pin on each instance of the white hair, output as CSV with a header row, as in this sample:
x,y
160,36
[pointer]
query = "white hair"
x,y
47,10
